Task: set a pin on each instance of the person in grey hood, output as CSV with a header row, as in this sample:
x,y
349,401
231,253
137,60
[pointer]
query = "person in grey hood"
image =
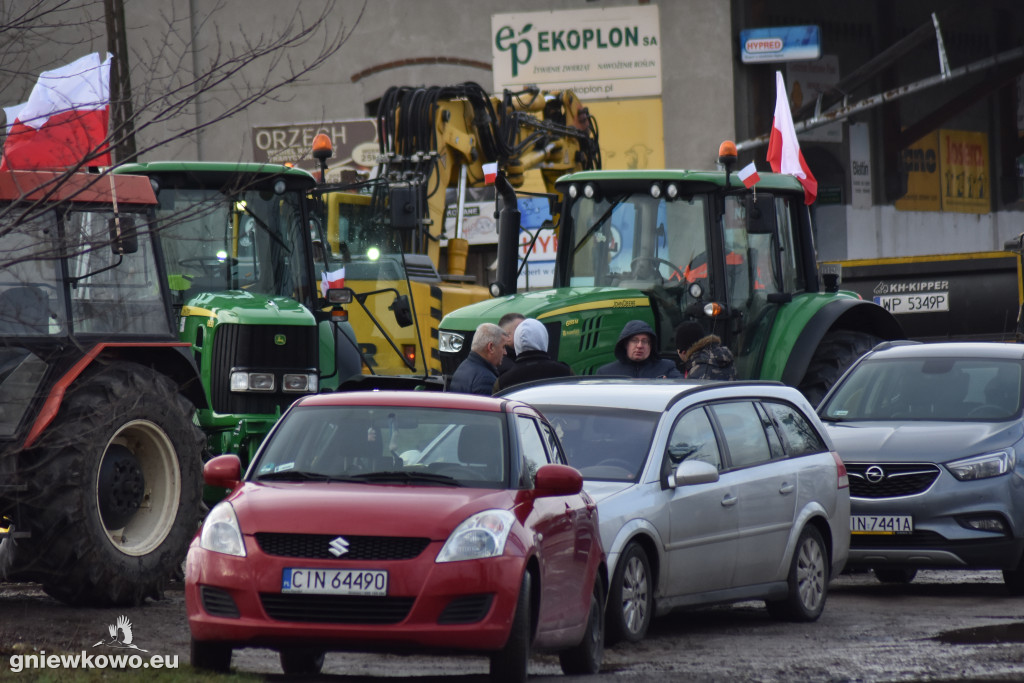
x,y
532,358
636,355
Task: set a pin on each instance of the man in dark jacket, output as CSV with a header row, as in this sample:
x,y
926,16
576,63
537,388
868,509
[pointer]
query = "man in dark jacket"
x,y
532,358
703,356
509,322
476,374
637,355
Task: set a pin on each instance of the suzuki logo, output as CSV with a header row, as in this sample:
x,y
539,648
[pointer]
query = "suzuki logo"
x,y
874,474
339,547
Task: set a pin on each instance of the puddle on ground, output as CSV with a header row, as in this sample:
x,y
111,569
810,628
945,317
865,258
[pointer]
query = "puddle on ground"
x,y
1002,633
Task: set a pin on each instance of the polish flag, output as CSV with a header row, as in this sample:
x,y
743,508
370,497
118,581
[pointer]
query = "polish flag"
x,y
748,174
784,153
332,280
490,173
64,122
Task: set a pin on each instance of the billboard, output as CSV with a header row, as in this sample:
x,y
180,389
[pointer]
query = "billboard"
x,y
599,53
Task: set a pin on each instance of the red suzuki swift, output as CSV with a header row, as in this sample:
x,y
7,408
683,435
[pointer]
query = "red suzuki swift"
x,y
400,521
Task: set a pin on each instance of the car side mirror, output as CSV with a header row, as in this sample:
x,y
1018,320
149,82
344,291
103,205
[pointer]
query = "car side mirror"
x,y
693,472
557,480
224,471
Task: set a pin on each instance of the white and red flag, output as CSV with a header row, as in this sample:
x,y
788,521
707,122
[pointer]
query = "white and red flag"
x,y
490,173
332,280
64,122
784,153
748,174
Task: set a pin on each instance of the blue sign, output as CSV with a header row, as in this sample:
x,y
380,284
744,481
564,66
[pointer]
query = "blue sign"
x,y
780,44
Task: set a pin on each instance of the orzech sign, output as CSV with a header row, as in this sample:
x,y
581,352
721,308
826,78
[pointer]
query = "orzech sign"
x,y
598,53
354,140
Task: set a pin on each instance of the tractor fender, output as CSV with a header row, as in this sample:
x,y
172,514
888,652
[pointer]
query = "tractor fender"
x,y
840,313
167,358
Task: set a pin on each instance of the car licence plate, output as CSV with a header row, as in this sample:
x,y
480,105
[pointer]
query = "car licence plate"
x,y
886,525
335,581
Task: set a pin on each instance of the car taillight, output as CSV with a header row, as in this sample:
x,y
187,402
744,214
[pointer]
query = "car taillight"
x,y
843,480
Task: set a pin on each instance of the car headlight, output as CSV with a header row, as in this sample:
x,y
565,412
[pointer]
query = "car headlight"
x,y
221,533
450,342
482,535
982,466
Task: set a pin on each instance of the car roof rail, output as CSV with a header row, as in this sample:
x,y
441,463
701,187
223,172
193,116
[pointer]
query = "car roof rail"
x,y
891,343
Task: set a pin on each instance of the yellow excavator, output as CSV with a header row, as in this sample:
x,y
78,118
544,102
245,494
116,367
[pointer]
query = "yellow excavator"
x,y
389,230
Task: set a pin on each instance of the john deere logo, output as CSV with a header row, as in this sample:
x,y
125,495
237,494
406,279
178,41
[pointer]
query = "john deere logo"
x,y
280,339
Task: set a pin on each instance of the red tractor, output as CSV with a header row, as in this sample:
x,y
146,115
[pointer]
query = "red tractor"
x,y
100,459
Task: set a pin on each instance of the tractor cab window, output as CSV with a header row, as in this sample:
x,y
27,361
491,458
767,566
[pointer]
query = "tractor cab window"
x,y
31,302
636,240
247,241
113,291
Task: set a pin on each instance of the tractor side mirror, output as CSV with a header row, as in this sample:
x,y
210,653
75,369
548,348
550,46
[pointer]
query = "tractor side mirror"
x,y
403,313
124,236
760,214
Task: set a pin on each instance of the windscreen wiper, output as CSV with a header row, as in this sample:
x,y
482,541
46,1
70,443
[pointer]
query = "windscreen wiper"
x,y
292,475
407,476
600,221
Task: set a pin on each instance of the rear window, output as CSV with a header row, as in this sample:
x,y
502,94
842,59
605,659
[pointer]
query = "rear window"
x,y
603,444
946,389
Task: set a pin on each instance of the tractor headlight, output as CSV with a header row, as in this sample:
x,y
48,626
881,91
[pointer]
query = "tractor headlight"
x,y
300,383
242,380
450,342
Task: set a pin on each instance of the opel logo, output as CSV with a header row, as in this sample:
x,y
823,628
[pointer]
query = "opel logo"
x,y
874,474
339,547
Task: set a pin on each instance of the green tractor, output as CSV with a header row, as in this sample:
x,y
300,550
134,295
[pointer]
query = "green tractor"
x,y
668,246
243,269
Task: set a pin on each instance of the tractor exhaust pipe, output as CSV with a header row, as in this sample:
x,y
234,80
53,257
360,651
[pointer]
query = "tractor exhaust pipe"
x,y
508,238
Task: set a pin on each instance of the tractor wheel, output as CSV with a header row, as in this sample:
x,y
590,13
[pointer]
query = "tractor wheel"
x,y
836,352
116,486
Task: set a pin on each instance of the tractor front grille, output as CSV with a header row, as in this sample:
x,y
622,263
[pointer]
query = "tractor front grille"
x,y
258,348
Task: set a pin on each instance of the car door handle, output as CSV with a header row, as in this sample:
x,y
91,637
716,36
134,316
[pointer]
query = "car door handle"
x,y
786,488
729,501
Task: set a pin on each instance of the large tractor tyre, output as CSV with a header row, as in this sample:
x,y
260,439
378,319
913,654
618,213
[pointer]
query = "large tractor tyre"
x,y
836,352
116,485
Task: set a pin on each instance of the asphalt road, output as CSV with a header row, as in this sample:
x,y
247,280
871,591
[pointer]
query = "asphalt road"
x,y
944,626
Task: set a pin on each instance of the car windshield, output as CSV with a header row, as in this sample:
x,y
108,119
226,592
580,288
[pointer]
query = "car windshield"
x,y
960,389
405,445
603,444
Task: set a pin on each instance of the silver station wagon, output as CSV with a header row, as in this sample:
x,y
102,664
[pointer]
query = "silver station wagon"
x,y
707,492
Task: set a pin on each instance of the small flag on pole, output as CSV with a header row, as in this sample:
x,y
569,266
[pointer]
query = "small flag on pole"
x,y
332,280
748,174
490,173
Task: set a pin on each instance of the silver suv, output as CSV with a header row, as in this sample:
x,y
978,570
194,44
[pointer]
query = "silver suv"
x,y
707,492
931,435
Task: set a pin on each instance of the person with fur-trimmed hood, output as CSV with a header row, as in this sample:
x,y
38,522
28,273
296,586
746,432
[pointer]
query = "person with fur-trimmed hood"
x,y
703,355
636,355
